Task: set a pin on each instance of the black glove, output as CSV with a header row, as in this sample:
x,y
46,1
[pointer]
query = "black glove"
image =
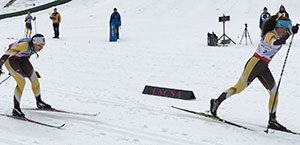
x,y
1,72
295,29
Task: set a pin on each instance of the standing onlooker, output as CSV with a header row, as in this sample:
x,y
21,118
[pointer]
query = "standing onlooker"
x,y
28,25
263,17
283,12
56,19
115,19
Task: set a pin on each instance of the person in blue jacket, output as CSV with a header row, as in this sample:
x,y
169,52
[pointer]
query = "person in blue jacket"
x,y
115,19
263,17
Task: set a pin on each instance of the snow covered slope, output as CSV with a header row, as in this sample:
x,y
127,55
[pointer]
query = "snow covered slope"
x,y
162,42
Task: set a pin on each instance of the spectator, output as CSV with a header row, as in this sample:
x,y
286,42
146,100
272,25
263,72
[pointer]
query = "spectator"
x,y
263,17
56,19
283,11
115,19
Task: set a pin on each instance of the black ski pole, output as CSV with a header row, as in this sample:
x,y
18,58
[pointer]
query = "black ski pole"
x,y
275,97
5,79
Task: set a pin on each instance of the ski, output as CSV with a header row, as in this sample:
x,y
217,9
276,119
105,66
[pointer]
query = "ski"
x,y
33,121
62,111
213,117
288,131
292,132
228,122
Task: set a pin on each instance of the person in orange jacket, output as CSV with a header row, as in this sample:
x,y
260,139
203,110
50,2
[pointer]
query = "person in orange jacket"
x,y
56,19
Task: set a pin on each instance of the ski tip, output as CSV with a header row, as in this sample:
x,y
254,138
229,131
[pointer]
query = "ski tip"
x,y
61,126
96,114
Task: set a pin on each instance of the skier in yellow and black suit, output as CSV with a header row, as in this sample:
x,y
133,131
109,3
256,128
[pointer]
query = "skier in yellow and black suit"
x,y
275,31
16,60
28,25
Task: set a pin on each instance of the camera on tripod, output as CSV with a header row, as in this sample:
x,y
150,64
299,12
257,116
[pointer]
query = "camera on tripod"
x,y
246,34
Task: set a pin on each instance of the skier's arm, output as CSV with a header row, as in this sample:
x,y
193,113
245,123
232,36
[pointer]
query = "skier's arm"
x,y
3,59
19,48
22,47
272,40
282,40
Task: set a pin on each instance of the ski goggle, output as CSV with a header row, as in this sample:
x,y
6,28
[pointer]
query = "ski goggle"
x,y
284,24
39,44
39,41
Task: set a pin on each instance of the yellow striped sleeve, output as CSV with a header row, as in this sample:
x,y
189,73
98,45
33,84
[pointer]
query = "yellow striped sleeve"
x,y
270,38
19,48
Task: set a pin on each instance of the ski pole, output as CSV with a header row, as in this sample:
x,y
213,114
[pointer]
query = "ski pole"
x,y
5,79
35,25
25,32
286,56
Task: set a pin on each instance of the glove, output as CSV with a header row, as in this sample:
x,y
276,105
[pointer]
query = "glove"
x,y
1,72
295,29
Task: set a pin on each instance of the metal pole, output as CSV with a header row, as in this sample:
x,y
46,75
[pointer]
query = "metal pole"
x,y
5,79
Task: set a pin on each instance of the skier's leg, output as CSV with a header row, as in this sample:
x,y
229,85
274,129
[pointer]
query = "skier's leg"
x,y
252,68
266,78
249,74
35,85
20,80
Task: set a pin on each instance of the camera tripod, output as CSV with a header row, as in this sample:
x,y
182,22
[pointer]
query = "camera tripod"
x,y
246,34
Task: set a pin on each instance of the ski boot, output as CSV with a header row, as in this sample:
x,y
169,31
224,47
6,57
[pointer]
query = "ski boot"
x,y
213,107
273,124
42,105
18,113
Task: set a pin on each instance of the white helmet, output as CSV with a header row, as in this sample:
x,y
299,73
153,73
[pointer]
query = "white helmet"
x,y
38,39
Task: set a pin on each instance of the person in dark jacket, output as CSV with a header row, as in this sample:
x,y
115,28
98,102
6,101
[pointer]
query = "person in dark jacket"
x,y
115,19
263,17
283,11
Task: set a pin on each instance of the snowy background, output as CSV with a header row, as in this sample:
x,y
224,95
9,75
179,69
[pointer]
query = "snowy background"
x,y
163,43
